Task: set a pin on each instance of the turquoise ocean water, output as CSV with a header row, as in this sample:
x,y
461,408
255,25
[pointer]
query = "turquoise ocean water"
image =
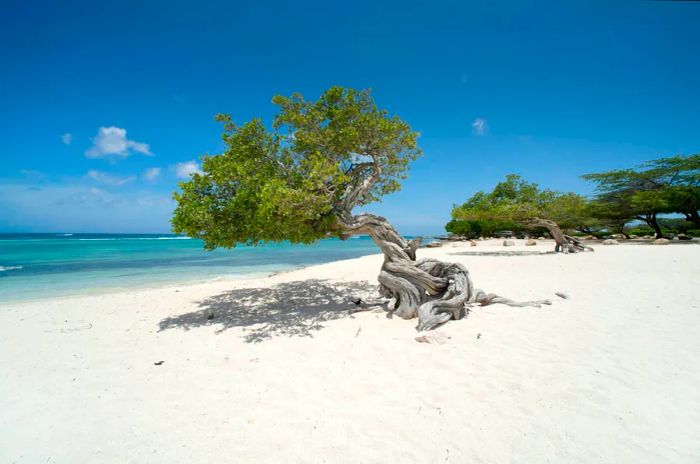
x,y
46,265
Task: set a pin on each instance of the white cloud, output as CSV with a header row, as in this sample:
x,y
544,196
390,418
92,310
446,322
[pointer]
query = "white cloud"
x,y
67,138
109,179
151,174
112,141
479,126
186,169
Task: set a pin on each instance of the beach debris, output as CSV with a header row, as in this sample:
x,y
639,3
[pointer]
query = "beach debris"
x,y
473,243
435,337
661,241
159,363
610,241
358,301
531,242
359,329
562,295
507,243
478,336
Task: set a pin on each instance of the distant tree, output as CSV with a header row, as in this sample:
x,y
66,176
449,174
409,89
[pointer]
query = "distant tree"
x,y
301,180
523,202
608,216
662,186
679,177
467,229
474,229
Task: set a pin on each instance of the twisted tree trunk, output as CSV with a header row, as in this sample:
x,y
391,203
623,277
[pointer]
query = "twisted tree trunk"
x,y
429,289
653,222
564,243
694,217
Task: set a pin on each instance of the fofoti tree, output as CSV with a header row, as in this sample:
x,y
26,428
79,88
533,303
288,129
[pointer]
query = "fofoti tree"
x,y
525,203
662,186
301,181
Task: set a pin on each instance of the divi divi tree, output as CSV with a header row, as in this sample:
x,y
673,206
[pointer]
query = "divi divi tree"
x,y
301,181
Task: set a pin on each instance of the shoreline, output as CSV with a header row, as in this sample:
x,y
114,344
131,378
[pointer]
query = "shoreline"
x,y
154,286
71,270
494,246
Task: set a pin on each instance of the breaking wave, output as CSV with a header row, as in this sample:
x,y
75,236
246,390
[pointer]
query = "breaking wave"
x,y
9,268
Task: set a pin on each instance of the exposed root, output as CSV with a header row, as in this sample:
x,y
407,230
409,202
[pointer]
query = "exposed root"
x,y
575,245
491,298
564,243
431,290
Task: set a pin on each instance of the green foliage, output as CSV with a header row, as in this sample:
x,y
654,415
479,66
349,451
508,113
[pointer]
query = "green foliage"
x,y
676,225
468,229
517,201
609,215
671,226
475,229
639,231
662,186
291,182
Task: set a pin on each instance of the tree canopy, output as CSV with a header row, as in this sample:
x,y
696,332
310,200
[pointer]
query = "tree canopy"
x,y
524,203
295,180
300,180
520,201
662,186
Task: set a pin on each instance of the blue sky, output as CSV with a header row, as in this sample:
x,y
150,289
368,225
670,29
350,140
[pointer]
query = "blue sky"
x,y
103,105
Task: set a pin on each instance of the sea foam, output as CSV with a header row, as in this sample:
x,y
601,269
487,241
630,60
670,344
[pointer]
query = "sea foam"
x,y
9,268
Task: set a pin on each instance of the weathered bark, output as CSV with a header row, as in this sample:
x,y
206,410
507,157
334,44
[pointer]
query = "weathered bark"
x,y
693,217
652,222
432,290
564,243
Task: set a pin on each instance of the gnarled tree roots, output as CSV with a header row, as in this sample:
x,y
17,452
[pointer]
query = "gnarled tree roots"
x,y
564,243
432,290
435,292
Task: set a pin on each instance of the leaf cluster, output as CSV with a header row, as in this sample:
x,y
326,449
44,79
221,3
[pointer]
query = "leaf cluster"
x,y
519,201
319,160
662,186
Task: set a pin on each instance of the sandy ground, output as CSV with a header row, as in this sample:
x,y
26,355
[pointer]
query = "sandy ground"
x,y
283,374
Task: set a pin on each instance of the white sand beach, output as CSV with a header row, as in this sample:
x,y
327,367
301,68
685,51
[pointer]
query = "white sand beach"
x,y
282,372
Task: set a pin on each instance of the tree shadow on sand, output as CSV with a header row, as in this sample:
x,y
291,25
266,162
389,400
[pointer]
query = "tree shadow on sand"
x,y
290,309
